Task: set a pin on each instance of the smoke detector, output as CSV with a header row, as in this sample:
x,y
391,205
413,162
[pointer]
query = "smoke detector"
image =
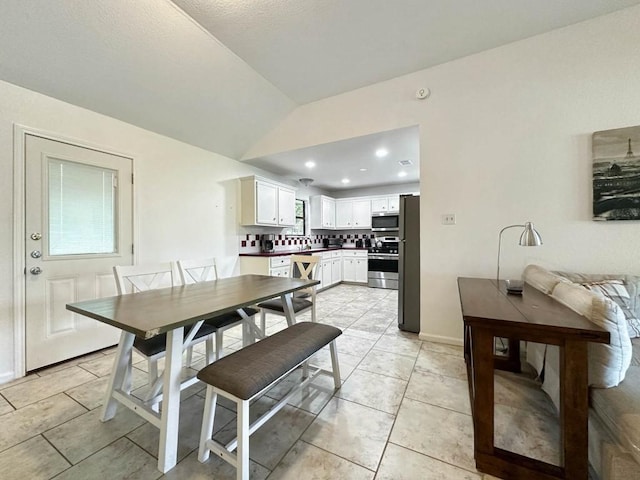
x,y
306,181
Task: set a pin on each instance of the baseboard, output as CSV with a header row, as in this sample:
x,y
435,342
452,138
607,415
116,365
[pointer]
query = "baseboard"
x,y
440,339
6,377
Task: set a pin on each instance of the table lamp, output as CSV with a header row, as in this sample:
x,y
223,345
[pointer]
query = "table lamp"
x,y
529,238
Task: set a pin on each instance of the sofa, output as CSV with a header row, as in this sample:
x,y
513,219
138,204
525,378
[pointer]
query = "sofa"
x,y
613,302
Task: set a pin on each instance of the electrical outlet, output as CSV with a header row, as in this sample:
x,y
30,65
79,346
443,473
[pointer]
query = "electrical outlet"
x,y
448,219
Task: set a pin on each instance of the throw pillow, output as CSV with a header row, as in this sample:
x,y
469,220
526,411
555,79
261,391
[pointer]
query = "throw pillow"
x,y
616,290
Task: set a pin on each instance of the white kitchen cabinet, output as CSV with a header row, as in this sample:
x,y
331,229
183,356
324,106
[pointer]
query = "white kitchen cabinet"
x,y
336,271
323,212
353,213
388,203
344,213
354,266
326,273
274,266
267,203
394,203
362,213
286,206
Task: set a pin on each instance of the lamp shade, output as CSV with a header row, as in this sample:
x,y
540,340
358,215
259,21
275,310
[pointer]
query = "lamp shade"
x,y
530,236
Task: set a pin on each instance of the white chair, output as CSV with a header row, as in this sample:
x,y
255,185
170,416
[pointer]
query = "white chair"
x,y
302,266
202,270
140,278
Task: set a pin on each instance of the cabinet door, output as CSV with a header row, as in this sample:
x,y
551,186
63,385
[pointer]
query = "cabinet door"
x,y
336,270
344,214
394,203
362,214
326,273
266,203
380,204
361,270
286,207
349,270
328,213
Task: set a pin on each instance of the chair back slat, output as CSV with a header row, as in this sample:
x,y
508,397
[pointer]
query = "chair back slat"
x,y
140,278
194,271
304,267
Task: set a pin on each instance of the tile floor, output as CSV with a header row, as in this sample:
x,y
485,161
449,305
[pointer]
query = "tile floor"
x,y
402,413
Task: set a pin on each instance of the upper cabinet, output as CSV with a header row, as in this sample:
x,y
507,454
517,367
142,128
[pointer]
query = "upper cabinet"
x,y
268,203
323,212
353,213
388,203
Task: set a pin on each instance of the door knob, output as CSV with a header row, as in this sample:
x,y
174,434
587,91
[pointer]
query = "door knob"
x,y
36,254
36,236
35,270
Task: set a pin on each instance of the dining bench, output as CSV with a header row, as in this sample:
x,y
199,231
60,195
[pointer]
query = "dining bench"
x,y
250,372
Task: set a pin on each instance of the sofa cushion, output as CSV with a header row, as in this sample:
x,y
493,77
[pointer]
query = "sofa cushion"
x,y
619,410
616,290
542,279
607,363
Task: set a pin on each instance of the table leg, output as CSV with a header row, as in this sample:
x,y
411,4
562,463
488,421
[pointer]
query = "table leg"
x,y
119,372
483,411
288,308
168,450
574,408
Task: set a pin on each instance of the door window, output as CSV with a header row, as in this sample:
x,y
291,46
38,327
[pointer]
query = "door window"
x,y
81,208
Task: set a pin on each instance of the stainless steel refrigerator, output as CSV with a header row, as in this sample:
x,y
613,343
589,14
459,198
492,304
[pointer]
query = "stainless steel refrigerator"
x,y
409,264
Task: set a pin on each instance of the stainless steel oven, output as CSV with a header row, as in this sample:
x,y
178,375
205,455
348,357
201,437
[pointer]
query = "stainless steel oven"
x,y
385,222
383,263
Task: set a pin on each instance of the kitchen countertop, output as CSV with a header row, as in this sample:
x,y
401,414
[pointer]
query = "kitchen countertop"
x,y
281,253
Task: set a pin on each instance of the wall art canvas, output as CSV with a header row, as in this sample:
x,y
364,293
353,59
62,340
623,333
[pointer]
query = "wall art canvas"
x,y
616,174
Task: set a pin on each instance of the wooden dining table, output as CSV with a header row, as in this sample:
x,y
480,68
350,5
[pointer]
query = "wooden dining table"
x,y
168,310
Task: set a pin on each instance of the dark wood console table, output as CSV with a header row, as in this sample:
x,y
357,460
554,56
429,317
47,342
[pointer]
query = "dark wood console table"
x,y
489,312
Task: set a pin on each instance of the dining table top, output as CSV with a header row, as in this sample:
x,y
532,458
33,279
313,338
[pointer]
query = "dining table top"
x,y
153,312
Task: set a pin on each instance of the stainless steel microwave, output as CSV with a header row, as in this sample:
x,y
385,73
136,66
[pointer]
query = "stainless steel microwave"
x,y
385,222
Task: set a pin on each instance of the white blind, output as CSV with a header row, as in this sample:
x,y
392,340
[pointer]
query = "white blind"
x,y
82,205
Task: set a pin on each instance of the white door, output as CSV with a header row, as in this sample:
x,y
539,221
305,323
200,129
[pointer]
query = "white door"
x,y
362,213
78,219
361,270
328,212
344,213
266,203
287,206
349,270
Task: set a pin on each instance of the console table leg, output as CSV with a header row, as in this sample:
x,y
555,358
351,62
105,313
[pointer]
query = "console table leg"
x,y
482,351
574,408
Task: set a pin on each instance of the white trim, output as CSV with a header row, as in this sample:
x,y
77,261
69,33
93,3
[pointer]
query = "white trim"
x,y
440,339
19,262
6,377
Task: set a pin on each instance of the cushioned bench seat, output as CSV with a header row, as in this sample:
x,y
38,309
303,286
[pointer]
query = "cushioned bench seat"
x,y
157,344
298,304
244,375
249,370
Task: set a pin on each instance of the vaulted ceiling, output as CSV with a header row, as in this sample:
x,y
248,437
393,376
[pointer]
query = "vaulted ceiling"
x,y
220,74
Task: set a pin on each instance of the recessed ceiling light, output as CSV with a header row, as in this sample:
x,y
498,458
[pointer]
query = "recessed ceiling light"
x,y
382,152
402,174
363,169
310,164
345,180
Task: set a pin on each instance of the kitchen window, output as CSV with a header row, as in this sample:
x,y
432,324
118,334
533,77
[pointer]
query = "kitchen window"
x,y
301,219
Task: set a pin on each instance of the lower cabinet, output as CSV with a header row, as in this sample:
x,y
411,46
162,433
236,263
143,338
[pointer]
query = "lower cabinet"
x,y
354,266
336,266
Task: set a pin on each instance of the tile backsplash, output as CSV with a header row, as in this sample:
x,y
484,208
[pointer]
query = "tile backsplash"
x,y
250,242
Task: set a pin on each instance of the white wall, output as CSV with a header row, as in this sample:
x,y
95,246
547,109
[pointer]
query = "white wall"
x,y
186,197
504,138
